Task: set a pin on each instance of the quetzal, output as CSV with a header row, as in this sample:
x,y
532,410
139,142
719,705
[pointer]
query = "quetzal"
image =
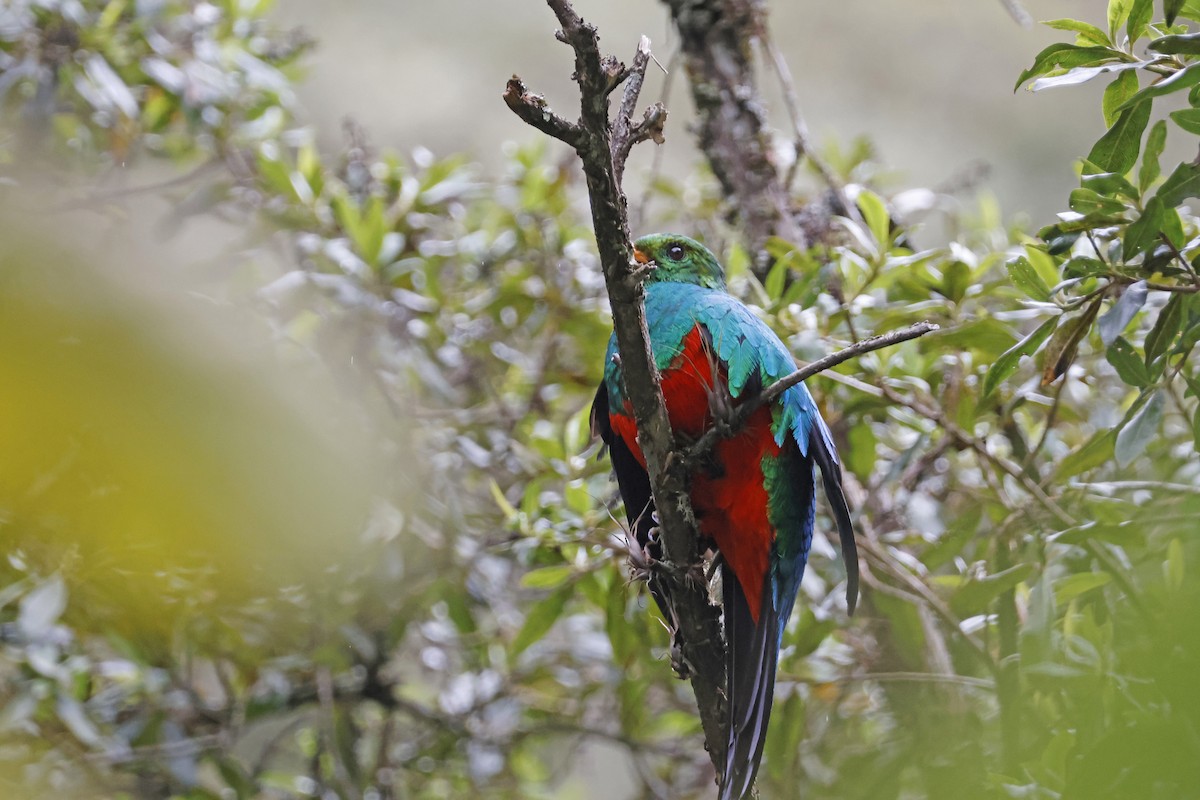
x,y
755,496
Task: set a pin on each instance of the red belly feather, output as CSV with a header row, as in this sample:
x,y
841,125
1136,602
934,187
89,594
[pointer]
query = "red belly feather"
x,y
731,506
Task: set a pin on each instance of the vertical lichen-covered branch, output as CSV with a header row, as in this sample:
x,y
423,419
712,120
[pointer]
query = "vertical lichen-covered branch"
x,y
715,38
603,148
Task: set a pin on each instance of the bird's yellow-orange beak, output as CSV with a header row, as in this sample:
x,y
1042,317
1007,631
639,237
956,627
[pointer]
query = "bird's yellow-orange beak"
x,y
640,256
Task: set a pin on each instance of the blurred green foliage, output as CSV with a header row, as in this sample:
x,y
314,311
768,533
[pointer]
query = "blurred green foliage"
x,y
333,527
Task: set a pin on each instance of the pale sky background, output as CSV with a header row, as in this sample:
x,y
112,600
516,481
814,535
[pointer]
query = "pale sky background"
x,y
929,81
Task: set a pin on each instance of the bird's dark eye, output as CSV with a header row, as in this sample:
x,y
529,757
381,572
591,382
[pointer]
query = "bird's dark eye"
x,y
675,252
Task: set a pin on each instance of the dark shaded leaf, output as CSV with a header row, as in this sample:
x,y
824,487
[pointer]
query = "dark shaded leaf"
x,y
1083,267
1113,184
1184,44
540,619
1088,222
1090,455
1183,183
1117,150
1057,240
1114,321
1155,142
1143,233
1171,10
1164,330
973,596
1184,78
1060,351
1188,119
1172,228
1128,363
1133,438
1007,363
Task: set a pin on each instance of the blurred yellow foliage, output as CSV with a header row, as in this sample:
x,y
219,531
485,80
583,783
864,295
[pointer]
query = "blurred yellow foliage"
x,y
145,430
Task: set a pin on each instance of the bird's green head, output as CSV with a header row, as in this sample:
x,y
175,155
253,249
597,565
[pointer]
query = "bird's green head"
x,y
679,259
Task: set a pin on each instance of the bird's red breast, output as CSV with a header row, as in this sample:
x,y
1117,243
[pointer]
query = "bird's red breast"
x,y
730,499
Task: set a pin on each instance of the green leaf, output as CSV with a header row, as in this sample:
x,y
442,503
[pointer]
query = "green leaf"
x,y
1066,56
1027,279
1089,35
973,596
1079,584
1060,352
1117,150
773,285
1185,44
1133,438
1089,201
1173,569
986,336
1092,454
1155,143
1188,119
1118,13
1183,183
861,458
1115,320
1128,363
1008,361
540,619
1079,75
876,216
1139,17
1111,184
547,577
1182,79
1143,233
1172,228
1116,93
1171,10
1196,428
1164,330
1044,263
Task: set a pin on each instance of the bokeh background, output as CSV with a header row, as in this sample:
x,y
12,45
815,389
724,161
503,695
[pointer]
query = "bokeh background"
x,y
929,83
298,495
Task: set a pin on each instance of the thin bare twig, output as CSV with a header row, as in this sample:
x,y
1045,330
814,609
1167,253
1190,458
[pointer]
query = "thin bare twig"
x,y
802,144
625,133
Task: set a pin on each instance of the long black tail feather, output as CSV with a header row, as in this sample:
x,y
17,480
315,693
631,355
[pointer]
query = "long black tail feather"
x,y
831,477
751,655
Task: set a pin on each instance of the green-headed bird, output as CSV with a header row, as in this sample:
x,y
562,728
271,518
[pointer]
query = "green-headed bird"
x,y
755,497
